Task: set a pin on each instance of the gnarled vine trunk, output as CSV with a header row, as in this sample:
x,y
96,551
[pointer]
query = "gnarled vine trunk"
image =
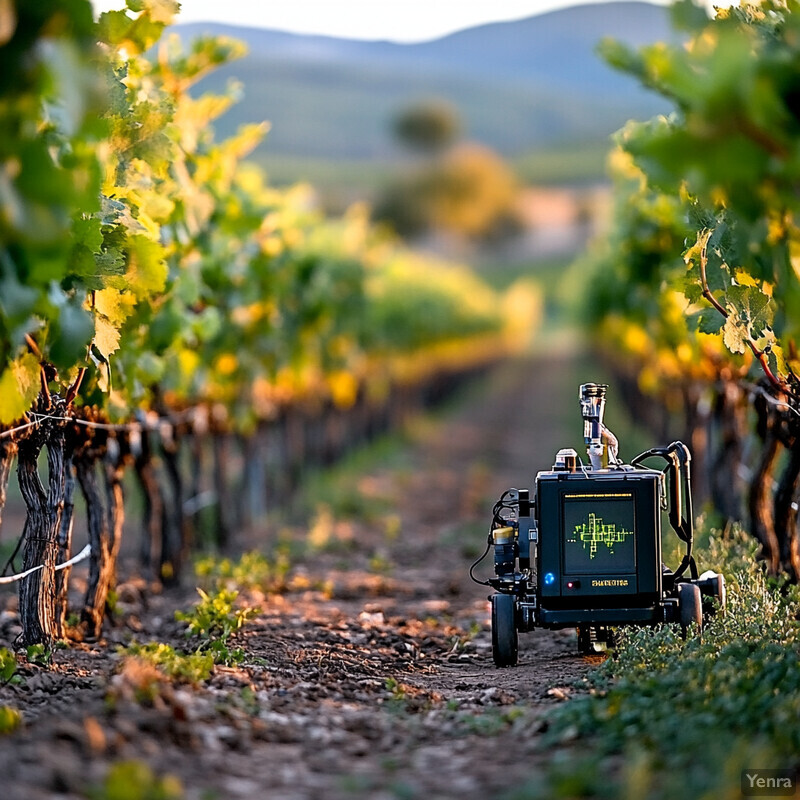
x,y
176,531
786,494
696,437
760,495
104,522
730,416
221,459
37,592
101,564
153,509
65,545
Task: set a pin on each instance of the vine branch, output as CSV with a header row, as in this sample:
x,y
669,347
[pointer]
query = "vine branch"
x,y
760,355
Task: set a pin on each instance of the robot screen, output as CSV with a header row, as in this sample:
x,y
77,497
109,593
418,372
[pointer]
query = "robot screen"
x,y
599,533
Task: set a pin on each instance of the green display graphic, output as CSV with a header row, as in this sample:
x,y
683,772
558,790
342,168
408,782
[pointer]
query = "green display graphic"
x,y
599,533
595,532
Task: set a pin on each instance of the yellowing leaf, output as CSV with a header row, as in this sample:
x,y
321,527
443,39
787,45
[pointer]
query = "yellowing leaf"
x,y
116,306
19,386
156,206
743,278
794,256
189,362
162,10
344,388
147,270
735,334
106,336
226,364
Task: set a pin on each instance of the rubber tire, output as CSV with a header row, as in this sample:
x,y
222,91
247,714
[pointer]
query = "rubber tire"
x,y
690,607
504,630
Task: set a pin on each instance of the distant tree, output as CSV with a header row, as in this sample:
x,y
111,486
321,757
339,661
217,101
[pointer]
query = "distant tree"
x,y
470,191
427,127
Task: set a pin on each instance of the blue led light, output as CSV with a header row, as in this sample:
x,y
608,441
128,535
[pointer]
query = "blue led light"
x,y
549,579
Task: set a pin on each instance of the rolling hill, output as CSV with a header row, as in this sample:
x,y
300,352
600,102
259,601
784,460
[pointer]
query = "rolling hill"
x,y
521,86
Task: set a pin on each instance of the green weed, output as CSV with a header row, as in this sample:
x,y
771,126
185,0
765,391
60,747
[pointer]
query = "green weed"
x,y
182,667
10,719
135,780
396,689
252,571
8,666
216,615
491,722
459,642
381,564
39,654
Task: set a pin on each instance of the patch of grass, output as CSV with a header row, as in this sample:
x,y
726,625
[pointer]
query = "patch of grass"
x,y
668,718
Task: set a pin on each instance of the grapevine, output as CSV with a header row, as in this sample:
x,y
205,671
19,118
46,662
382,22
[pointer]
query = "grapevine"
x,y
725,163
157,293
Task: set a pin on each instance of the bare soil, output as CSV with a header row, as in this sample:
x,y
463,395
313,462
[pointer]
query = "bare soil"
x,y
371,676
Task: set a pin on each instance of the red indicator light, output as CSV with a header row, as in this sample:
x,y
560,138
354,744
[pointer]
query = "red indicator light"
x,y
570,585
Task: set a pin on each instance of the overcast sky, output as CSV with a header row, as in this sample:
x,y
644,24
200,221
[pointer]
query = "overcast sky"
x,y
397,20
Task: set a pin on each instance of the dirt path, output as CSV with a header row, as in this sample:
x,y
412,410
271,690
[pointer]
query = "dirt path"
x,y
372,676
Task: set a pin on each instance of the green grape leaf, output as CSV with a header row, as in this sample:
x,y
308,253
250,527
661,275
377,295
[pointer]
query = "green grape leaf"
x,y
87,231
110,262
620,56
710,321
752,307
150,368
70,334
691,289
134,35
688,16
111,210
82,263
777,360
207,324
17,303
113,27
